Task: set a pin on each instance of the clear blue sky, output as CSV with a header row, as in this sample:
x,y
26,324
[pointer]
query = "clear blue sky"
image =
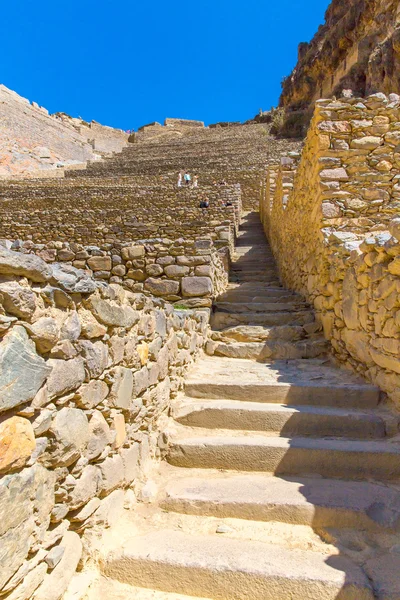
x,y
128,62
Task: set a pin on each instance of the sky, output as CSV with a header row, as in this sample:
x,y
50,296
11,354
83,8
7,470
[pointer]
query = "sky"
x,y
125,63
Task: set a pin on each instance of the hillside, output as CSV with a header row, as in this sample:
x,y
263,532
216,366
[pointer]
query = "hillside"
x,y
32,141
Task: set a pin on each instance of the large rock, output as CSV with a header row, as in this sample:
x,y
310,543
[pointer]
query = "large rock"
x,y
30,583
122,388
70,429
196,286
45,333
24,497
66,376
176,271
17,299
22,371
91,328
100,263
55,584
24,265
112,471
71,328
100,435
72,280
132,252
17,442
91,394
86,487
110,313
95,356
162,287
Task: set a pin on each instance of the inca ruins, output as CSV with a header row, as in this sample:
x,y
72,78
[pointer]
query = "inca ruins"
x,y
200,385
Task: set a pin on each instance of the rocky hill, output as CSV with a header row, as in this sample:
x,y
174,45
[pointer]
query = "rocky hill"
x,y
34,142
357,48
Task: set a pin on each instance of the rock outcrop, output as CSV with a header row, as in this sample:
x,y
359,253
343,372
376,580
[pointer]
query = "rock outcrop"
x,y
34,142
358,48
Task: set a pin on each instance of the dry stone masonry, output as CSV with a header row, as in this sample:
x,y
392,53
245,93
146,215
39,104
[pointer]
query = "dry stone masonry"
x,y
333,222
87,373
34,143
269,468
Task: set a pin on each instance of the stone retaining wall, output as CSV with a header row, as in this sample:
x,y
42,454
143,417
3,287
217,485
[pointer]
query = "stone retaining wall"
x,y
331,223
111,212
87,371
191,272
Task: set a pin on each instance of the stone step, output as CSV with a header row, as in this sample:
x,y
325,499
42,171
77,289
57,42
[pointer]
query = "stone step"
x,y
111,589
295,382
272,349
345,459
298,501
233,569
219,319
266,279
259,304
259,333
320,421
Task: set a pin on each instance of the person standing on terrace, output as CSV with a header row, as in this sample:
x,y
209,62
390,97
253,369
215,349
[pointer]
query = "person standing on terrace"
x,y
195,181
180,178
187,178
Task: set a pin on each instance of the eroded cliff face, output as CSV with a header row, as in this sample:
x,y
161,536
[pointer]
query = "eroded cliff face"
x,y
358,48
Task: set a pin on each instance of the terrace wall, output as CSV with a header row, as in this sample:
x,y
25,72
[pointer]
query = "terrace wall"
x,y
333,229
87,371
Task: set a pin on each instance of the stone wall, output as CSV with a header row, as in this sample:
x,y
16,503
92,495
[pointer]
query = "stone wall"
x,y
331,221
236,154
93,212
188,271
32,141
87,371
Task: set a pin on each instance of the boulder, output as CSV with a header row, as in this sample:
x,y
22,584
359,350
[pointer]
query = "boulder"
x,y
29,584
55,584
17,299
24,265
70,429
122,388
130,461
176,271
86,487
95,356
71,328
100,435
110,313
91,394
22,371
24,497
132,252
17,442
100,263
45,333
196,286
368,142
154,270
112,471
66,376
72,280
91,328
162,287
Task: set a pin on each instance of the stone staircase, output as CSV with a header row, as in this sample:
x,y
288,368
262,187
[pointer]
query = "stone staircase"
x,y
256,318
281,477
